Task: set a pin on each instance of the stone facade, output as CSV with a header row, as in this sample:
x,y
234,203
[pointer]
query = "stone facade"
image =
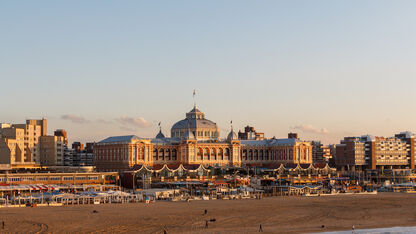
x,y
194,146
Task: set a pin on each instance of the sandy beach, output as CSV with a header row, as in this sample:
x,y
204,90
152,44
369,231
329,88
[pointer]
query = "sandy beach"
x,y
276,215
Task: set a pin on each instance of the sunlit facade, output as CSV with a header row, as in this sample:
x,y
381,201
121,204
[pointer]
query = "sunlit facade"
x,y
196,140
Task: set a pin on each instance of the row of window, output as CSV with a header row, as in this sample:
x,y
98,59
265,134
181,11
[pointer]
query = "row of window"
x,y
212,134
57,178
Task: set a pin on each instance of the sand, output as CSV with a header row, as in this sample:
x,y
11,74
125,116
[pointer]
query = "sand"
x,y
276,215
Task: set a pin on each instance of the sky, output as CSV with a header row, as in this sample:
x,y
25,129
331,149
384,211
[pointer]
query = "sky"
x,y
324,69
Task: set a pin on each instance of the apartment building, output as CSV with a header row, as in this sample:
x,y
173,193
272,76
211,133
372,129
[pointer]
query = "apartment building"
x,y
320,152
250,134
369,152
410,139
52,150
28,145
79,156
33,129
22,141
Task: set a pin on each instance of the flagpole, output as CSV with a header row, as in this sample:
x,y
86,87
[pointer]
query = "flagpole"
x,y
194,98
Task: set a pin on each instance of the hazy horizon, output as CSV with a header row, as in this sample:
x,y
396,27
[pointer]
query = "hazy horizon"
x,y
99,68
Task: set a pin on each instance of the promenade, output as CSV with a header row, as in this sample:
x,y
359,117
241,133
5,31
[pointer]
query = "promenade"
x,y
275,214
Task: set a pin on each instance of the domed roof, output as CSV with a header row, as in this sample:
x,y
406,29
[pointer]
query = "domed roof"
x,y
160,135
199,127
194,123
232,136
189,135
194,119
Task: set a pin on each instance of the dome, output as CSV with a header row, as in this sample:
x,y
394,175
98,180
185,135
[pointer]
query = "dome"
x,y
195,122
232,136
189,135
160,135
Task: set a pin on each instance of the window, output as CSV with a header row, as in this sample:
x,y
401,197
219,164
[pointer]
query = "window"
x,y
226,154
154,155
14,179
42,178
206,154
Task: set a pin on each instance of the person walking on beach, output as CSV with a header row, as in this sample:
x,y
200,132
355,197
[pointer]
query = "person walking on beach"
x,y
205,212
353,229
260,228
206,223
3,224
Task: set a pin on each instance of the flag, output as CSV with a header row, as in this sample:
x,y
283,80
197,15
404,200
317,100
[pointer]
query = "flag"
x,y
159,124
194,93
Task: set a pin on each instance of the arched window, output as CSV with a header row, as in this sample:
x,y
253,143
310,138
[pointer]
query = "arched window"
x,y
174,154
221,154
199,154
250,154
213,154
266,155
161,154
261,155
167,154
155,155
306,153
244,154
227,154
206,154
256,153
142,153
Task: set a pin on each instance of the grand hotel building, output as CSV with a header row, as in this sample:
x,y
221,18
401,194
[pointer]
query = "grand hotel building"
x,y
196,140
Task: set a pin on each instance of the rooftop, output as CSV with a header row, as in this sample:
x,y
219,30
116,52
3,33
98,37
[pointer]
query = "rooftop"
x,y
121,139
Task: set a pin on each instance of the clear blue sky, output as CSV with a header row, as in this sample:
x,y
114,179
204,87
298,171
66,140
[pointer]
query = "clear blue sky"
x,y
325,69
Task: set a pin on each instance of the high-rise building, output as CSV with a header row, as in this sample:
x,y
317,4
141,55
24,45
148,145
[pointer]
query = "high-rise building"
x,y
52,150
369,152
78,156
292,135
12,146
320,153
42,123
28,144
77,146
250,134
62,133
410,139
